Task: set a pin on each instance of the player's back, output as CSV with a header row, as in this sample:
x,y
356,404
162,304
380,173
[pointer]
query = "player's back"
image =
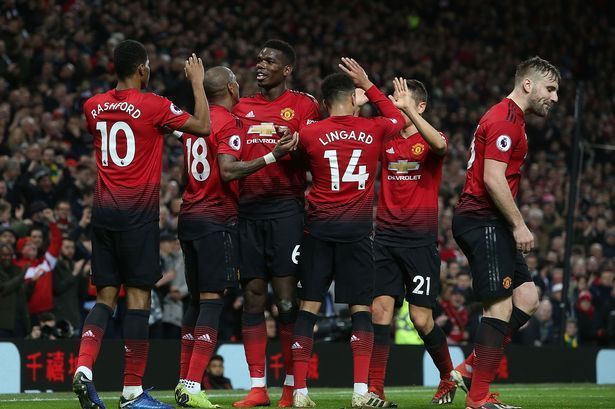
x,y
500,136
343,154
209,204
127,126
275,190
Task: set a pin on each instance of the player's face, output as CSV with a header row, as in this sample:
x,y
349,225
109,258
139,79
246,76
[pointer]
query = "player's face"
x,y
270,68
216,368
543,95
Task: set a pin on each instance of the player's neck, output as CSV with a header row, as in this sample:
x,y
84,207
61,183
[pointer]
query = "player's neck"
x,y
225,103
341,110
409,131
273,93
128,83
519,100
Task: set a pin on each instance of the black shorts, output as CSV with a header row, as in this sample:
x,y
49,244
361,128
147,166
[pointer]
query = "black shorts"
x,y
270,247
351,265
211,262
413,272
130,257
496,264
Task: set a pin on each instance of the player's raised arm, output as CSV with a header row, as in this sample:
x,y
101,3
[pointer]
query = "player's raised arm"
x,y
199,123
360,80
231,168
406,101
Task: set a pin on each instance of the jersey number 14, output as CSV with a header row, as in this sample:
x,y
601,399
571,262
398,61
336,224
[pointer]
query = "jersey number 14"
x,y
349,174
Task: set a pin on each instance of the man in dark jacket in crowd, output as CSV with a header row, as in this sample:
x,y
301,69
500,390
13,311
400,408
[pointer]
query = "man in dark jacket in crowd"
x,y
67,281
14,318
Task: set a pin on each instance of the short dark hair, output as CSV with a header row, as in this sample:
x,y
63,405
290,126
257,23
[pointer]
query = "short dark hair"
x,y
286,49
538,65
217,357
127,56
335,86
418,90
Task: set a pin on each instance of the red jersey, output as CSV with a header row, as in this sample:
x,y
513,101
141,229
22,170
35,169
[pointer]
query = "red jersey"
x,y
276,190
408,199
127,126
208,203
500,136
343,154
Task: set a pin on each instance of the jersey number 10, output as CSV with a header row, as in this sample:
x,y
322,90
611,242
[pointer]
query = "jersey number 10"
x,y
349,175
108,143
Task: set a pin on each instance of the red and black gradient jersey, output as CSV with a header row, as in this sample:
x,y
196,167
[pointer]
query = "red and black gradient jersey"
x,y
127,126
276,190
500,136
208,203
407,213
343,152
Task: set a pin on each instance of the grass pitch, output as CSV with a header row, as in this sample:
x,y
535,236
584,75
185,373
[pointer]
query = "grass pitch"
x,y
535,396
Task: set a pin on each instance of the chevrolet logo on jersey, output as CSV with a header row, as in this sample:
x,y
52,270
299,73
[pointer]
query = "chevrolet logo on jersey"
x,y
264,129
403,166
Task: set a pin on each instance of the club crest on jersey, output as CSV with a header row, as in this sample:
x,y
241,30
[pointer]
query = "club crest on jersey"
x,y
235,142
287,114
507,282
175,109
503,143
418,149
402,166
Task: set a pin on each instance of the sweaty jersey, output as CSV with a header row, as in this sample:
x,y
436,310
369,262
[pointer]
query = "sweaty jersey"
x,y
208,203
500,136
127,126
407,213
276,190
343,153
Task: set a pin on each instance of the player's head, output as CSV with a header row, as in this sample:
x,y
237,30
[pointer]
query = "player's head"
x,y
221,83
130,60
274,63
538,80
337,89
419,95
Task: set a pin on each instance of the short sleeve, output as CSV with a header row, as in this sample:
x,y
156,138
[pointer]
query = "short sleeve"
x,y
230,139
500,140
167,114
388,127
312,113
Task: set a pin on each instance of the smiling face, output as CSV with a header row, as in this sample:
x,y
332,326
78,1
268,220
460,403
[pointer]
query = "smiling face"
x,y
542,94
271,68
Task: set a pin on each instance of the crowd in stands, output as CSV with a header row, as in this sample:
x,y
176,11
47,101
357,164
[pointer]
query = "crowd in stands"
x,y
56,54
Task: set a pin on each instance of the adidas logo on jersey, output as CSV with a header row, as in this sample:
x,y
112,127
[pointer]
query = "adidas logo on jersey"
x,y
354,338
88,333
390,150
296,345
250,114
204,337
188,337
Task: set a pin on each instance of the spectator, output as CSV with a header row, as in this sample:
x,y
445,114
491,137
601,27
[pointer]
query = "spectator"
x,y
14,317
68,281
214,376
571,339
540,329
172,286
585,319
458,317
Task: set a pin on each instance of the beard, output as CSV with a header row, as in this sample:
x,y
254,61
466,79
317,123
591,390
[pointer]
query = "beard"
x,y
539,106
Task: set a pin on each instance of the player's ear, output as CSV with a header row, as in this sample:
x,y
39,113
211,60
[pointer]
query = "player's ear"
x,y
421,107
527,85
288,69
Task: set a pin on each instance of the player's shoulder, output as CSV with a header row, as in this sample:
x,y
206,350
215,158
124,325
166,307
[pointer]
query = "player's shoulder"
x,y
303,96
504,111
94,99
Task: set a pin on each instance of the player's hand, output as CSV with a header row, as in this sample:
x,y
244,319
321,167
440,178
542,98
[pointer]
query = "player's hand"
x,y
356,72
194,69
524,238
360,97
402,97
287,143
